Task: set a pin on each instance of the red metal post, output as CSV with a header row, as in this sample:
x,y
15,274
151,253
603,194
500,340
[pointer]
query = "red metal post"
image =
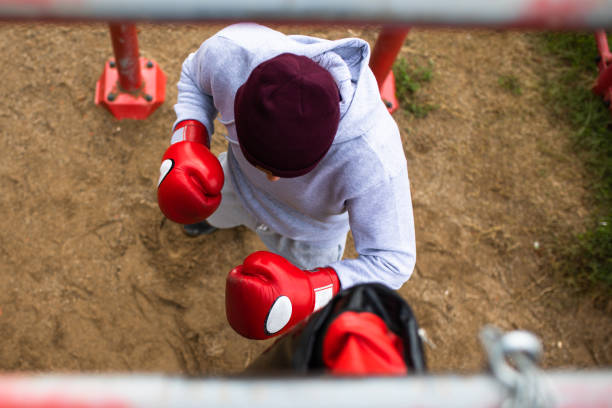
x,y
125,47
130,87
602,46
387,47
603,85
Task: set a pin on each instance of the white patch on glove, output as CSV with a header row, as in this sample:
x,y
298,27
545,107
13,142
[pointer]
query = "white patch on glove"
x,y
279,314
164,169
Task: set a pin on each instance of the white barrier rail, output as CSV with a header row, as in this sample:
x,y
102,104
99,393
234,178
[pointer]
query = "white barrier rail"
x,y
567,389
505,13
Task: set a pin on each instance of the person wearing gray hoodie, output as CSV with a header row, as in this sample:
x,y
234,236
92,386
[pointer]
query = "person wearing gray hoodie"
x,y
306,162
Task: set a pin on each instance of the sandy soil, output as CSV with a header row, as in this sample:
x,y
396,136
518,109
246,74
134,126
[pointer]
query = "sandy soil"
x,y
94,279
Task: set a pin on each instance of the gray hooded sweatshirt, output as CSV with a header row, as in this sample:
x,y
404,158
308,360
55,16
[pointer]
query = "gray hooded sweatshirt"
x,y
362,182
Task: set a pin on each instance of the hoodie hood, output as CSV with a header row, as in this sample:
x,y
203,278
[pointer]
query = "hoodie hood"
x,y
346,59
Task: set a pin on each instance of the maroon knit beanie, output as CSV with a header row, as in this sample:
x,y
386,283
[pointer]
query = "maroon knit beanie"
x,y
287,114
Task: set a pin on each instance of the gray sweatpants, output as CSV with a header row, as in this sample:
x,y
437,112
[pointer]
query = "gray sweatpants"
x,y
303,254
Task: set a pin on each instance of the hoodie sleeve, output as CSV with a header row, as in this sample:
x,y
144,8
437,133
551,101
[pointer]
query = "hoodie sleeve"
x,y
382,225
195,99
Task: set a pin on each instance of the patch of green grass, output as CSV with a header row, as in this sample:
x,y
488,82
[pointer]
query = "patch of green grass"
x,y
510,83
568,91
591,257
409,79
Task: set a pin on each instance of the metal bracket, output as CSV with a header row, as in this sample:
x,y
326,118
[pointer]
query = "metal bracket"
x,y
513,359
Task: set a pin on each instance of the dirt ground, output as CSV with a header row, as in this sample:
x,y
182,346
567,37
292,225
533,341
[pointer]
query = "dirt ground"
x,y
94,279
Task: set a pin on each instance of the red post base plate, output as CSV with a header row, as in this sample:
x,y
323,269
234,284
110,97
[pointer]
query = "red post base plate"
x,y
387,93
138,104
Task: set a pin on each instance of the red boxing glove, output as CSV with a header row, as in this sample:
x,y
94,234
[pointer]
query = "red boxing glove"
x,y
191,177
267,295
